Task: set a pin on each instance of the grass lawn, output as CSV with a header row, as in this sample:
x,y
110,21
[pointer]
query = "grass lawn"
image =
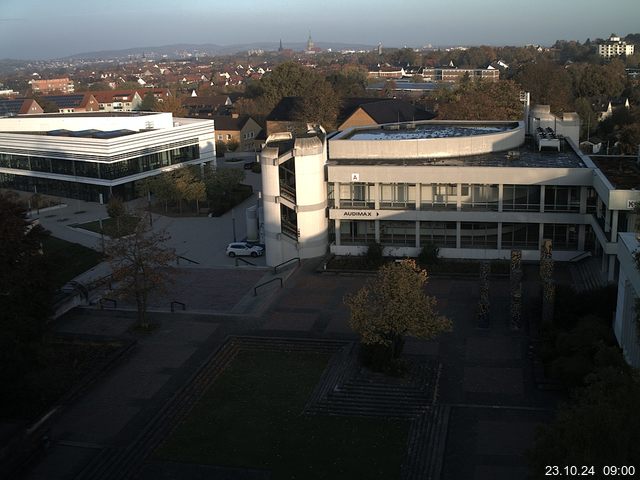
x,y
111,227
68,260
251,417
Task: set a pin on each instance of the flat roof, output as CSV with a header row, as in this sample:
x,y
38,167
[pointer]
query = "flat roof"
x,y
527,155
621,170
88,114
423,131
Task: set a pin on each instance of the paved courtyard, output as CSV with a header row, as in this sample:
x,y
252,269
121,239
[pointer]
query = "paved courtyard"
x,y
486,378
486,383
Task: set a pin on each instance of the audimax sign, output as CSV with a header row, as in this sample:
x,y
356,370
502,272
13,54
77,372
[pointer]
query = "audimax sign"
x,y
360,214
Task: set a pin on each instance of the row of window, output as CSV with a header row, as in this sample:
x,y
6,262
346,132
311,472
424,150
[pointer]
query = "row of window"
x,y
472,235
107,171
517,198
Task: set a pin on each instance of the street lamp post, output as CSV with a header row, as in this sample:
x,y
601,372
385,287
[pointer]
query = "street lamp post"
x,y
149,207
233,223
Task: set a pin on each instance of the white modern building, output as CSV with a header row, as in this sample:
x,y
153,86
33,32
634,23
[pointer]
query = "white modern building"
x,y
294,196
625,326
614,47
92,156
473,189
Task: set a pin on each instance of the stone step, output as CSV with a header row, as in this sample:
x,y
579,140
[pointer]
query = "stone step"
x,y
360,411
426,445
350,386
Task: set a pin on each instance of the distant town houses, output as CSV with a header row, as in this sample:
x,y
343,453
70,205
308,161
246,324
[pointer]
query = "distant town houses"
x,y
241,131
448,74
615,47
52,85
19,106
118,100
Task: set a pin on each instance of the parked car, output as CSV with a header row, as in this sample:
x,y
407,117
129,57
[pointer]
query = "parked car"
x,y
249,165
244,249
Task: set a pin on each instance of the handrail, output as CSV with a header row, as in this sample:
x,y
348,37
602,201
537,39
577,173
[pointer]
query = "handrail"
x,y
103,300
243,260
255,289
178,257
108,279
275,269
175,302
580,256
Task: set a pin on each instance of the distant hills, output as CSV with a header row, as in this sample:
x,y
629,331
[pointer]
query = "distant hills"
x,y
180,50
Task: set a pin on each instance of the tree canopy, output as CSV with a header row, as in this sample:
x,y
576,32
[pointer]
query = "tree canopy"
x,y
393,305
319,103
26,292
481,100
600,427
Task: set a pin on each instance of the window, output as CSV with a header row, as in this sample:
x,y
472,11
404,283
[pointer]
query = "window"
x,y
441,234
398,195
228,136
356,232
398,233
219,136
479,235
439,196
479,197
563,237
561,199
520,235
521,198
356,195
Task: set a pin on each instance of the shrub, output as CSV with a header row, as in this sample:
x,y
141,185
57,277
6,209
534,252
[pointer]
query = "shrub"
x,y
373,257
428,254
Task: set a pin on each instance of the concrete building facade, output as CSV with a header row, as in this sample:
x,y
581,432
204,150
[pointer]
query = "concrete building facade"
x,y
475,190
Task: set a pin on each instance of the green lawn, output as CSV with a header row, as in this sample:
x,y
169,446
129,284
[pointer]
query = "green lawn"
x,y
251,417
68,260
111,227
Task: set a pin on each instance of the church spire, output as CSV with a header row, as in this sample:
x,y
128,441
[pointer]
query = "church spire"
x,y
309,43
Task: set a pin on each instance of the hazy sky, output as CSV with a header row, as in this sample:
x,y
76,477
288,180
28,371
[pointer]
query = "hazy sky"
x,y
36,29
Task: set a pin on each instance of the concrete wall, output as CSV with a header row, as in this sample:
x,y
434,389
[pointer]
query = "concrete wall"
x,y
311,197
342,147
85,122
625,327
459,174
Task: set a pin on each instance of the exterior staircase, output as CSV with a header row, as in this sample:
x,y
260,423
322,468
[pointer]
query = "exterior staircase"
x,y
587,275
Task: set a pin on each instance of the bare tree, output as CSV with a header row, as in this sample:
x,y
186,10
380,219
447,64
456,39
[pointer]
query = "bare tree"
x,y
140,265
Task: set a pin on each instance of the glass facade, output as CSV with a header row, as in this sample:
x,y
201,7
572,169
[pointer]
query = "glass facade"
x,y
357,195
398,233
62,188
357,232
479,197
520,235
441,234
564,237
479,235
561,199
442,196
398,195
102,170
521,198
